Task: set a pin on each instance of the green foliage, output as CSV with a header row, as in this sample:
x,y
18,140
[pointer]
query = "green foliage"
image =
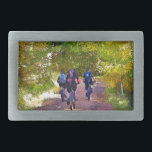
x,y
119,103
21,102
110,90
40,64
37,89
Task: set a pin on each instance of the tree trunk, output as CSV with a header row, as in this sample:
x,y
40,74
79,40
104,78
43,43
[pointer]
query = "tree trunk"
x,y
121,89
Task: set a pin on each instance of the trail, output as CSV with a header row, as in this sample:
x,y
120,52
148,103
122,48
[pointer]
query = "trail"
x,y
97,102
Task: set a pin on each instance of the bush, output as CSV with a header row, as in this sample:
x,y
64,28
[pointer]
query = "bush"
x,y
120,103
36,89
109,90
21,102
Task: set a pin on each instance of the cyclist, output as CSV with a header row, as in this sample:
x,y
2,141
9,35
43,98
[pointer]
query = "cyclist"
x,y
62,83
88,82
72,81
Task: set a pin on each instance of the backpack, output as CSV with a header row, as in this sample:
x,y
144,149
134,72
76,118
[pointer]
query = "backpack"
x,y
88,76
71,73
62,78
70,76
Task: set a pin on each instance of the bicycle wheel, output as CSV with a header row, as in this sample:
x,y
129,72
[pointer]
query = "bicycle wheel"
x,y
62,98
71,105
62,95
89,98
88,95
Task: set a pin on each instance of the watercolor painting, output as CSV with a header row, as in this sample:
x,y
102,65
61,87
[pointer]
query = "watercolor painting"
x,y
94,75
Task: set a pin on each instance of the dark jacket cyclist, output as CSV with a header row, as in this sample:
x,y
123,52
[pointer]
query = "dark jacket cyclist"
x,y
62,83
88,76
72,80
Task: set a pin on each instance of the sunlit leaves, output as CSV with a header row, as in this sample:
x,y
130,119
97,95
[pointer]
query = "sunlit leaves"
x,y
39,60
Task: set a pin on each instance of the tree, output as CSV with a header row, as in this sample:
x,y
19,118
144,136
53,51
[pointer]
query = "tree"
x,y
40,63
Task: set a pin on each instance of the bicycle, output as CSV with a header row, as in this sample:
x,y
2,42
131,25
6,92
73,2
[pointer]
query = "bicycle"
x,y
72,99
62,92
89,91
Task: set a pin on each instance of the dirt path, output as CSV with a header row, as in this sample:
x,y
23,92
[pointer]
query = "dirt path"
x,y
97,101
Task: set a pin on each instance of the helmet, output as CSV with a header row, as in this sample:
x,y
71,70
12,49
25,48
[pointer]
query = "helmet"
x,y
87,69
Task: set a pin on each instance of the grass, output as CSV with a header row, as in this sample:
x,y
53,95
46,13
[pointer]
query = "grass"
x,y
35,91
120,103
117,101
22,105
